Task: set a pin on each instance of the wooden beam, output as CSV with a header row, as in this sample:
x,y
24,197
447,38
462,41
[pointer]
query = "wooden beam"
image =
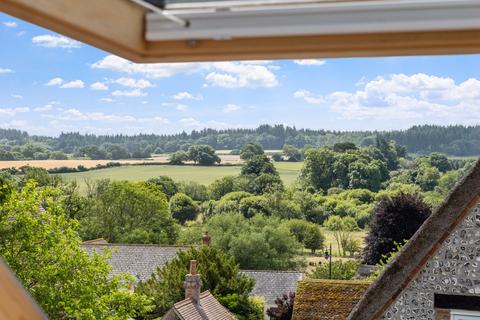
x,y
320,46
15,302
115,26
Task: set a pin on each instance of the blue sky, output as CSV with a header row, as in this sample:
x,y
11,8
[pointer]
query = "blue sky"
x,y
51,84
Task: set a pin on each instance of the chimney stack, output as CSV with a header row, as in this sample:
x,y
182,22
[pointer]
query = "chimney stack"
x,y
206,239
193,283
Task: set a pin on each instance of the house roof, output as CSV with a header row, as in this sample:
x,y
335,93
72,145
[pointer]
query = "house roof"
x,y
239,30
208,309
271,284
139,260
423,245
326,299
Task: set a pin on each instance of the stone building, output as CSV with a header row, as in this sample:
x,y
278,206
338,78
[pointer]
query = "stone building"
x,y
436,275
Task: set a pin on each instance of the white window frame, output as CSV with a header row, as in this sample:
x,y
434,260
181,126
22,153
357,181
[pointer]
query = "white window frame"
x,y
454,313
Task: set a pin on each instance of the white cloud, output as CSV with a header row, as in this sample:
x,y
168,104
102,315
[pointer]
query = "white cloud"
x,y
131,93
190,122
310,62
17,96
55,82
20,33
411,98
241,74
10,24
308,96
54,41
182,107
185,95
222,74
231,108
45,108
133,83
108,100
11,112
75,84
151,70
77,115
98,86
5,70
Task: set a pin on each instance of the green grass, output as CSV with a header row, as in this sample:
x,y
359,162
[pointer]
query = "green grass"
x,y
205,175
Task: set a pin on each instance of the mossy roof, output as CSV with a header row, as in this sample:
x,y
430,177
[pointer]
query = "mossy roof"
x,y
327,299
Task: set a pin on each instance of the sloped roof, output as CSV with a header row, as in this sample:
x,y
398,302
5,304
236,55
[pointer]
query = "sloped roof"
x,y
423,245
208,309
326,299
271,284
139,260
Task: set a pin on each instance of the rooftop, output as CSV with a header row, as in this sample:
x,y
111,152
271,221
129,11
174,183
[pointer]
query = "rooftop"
x,y
208,309
139,260
327,299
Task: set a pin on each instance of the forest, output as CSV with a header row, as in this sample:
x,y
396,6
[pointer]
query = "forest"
x,y
17,145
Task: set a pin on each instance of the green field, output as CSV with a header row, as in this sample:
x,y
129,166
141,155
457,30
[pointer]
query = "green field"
x,y
204,175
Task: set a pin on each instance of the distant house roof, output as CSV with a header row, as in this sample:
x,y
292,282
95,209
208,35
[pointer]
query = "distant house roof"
x,y
139,260
423,245
271,284
327,299
208,309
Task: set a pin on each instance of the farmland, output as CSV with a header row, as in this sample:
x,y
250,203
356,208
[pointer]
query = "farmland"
x,y
202,174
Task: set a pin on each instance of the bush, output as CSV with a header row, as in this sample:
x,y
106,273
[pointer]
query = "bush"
x,y
165,184
251,206
307,233
395,219
341,270
183,208
284,308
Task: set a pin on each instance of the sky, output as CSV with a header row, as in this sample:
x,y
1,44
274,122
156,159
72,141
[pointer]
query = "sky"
x,y
51,84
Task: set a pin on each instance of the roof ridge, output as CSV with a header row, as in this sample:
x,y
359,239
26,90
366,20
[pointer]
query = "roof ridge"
x,y
336,281
271,271
135,245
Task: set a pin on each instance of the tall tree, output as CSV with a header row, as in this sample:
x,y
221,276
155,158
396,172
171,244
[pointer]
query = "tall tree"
x,y
43,248
395,220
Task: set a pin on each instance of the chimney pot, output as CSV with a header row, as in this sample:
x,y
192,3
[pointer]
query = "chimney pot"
x,y
193,283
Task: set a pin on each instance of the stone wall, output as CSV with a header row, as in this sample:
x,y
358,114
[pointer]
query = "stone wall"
x,y
455,269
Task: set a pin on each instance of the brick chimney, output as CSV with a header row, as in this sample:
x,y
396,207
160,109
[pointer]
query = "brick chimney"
x,y
206,239
192,283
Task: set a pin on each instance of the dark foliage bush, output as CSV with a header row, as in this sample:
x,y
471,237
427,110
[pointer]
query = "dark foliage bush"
x,y
395,219
284,308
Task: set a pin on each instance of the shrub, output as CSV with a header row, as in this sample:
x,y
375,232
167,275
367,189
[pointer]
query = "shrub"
x,y
251,206
395,219
284,308
183,208
341,270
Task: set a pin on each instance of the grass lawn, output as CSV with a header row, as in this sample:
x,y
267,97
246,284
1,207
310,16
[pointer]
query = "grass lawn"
x,y
204,175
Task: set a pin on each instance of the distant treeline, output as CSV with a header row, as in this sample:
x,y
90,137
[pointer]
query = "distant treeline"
x,y
15,144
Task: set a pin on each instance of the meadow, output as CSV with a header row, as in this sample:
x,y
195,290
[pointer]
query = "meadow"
x,y
202,174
